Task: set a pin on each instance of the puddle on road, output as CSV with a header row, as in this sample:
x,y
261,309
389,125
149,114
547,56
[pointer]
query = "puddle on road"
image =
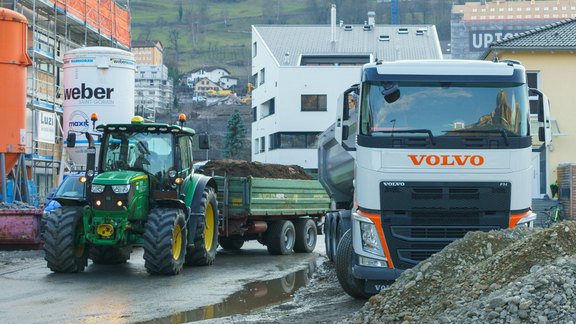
x,y
255,295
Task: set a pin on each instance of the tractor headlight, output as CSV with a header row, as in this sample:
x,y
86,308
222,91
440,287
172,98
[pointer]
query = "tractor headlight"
x,y
172,173
96,188
121,189
370,240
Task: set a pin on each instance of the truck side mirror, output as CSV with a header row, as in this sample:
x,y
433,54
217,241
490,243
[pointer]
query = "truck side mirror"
x,y
540,109
71,140
203,141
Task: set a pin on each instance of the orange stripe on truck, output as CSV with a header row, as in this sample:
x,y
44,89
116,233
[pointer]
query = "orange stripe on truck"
x,y
515,218
375,218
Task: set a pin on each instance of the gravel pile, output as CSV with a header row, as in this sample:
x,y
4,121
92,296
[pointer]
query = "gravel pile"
x,y
511,276
16,205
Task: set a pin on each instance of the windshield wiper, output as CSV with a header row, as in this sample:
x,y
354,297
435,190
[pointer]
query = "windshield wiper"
x,y
409,131
481,131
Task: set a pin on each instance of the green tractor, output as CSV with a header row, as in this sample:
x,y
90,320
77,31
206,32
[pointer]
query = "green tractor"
x,y
142,191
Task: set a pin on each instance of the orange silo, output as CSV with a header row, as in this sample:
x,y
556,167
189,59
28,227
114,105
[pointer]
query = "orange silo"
x,y
13,62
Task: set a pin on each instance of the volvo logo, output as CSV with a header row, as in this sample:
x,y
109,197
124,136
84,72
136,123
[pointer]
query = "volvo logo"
x,y
447,160
393,184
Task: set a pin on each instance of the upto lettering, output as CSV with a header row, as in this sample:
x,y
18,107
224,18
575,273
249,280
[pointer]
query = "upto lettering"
x,y
446,160
85,92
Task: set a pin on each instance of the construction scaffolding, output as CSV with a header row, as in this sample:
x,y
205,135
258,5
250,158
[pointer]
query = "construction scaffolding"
x,y
55,27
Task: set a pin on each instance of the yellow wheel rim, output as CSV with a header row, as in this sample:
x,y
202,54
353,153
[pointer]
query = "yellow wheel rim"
x,y
176,242
209,227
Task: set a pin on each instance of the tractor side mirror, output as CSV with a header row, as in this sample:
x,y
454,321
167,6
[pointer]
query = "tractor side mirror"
x,y
71,140
203,141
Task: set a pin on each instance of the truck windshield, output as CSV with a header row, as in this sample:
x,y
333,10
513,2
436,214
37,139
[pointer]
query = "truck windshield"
x,y
149,152
444,109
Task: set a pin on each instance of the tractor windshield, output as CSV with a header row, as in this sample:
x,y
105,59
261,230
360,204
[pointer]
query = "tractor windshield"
x,y
143,151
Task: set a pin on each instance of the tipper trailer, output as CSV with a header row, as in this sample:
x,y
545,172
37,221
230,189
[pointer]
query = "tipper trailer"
x,y
421,153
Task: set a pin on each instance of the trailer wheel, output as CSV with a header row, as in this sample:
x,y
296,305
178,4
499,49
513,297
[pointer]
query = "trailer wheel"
x,y
344,258
231,243
206,239
306,235
280,237
165,241
109,255
64,247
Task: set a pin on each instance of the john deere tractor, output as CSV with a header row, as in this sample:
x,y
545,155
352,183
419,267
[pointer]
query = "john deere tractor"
x,y
142,191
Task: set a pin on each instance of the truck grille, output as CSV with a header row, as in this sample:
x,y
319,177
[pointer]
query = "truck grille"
x,y
420,219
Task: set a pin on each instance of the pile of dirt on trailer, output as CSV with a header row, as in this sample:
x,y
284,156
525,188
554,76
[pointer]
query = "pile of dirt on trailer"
x,y
510,276
238,168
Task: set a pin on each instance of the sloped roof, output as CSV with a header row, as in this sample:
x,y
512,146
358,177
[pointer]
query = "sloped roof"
x,y
288,42
146,43
556,36
208,69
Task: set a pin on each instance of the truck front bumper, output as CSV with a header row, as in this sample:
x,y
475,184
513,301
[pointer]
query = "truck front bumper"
x,y
375,279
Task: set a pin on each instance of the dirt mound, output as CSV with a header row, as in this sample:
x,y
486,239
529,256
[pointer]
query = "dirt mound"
x,y
240,168
510,276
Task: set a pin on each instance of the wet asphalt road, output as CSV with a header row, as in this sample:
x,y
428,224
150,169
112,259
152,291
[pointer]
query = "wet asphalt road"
x,y
31,293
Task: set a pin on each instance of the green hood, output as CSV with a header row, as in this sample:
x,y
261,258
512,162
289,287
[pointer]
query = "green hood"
x,y
118,177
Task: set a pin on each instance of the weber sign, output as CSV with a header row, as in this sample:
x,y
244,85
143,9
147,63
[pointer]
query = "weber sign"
x,y
96,80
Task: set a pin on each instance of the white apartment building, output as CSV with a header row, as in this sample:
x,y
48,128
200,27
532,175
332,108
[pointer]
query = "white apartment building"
x,y
298,72
154,91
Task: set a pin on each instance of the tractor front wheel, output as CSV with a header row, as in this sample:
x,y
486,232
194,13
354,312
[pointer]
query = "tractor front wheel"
x,y
165,241
206,238
64,247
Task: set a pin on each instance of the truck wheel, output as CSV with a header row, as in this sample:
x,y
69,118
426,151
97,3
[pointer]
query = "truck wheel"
x,y
231,243
280,237
206,239
165,241
334,239
109,255
65,250
306,235
328,236
344,259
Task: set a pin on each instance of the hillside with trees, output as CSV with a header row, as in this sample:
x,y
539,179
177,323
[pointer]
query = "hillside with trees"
x,y
218,32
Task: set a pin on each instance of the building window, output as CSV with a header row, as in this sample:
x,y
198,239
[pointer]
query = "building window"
x,y
268,108
254,114
294,140
533,80
262,144
313,102
254,49
262,76
257,146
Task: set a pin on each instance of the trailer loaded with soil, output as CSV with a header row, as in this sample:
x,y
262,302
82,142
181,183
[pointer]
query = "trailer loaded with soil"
x,y
280,206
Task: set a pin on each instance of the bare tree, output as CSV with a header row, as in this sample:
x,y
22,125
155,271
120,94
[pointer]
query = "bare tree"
x,y
174,35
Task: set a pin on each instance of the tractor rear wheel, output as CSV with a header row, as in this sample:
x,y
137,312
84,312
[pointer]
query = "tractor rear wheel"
x,y
64,247
109,255
206,239
165,241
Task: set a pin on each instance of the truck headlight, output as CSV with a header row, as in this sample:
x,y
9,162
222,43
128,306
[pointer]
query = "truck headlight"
x,y
370,240
121,189
96,188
